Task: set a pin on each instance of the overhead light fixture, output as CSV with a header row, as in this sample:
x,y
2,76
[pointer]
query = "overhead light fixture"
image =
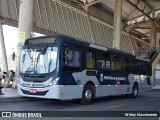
x,y
144,38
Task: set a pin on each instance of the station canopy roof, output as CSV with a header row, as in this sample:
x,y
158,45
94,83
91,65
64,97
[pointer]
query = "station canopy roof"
x,y
137,15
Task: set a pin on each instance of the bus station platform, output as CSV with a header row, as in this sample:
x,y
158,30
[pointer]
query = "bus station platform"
x,y
156,87
11,95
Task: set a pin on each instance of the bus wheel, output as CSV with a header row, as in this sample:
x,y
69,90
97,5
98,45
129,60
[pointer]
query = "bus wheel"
x,y
134,91
87,95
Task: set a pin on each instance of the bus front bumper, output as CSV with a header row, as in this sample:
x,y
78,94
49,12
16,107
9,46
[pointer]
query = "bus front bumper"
x,y
50,92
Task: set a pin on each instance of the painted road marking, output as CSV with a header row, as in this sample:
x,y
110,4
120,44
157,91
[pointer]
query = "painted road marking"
x,y
152,99
113,106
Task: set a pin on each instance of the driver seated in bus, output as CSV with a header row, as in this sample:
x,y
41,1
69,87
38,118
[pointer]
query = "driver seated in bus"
x,y
76,59
70,58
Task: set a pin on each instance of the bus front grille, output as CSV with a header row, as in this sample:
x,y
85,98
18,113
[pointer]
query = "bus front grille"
x,y
37,93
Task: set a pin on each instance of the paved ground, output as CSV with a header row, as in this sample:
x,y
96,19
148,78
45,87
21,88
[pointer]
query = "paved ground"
x,y
11,95
149,101
9,92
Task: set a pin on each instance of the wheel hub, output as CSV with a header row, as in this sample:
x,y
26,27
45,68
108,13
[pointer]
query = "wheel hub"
x,y
88,94
135,91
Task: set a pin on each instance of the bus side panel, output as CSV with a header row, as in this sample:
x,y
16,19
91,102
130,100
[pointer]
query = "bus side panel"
x,y
109,90
105,87
75,91
71,92
143,86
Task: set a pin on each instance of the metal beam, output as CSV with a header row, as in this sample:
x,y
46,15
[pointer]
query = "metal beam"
x,y
83,3
144,1
92,3
146,11
141,27
140,10
136,24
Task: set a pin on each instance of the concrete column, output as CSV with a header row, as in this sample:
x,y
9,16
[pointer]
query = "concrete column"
x,y
3,51
153,35
25,20
158,39
117,24
154,44
25,23
24,27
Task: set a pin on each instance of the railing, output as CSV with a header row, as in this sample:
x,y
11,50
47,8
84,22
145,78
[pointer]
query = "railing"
x,y
141,52
156,54
158,50
152,54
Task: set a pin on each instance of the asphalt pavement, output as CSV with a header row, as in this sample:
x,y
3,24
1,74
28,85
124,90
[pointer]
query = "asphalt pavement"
x,y
148,102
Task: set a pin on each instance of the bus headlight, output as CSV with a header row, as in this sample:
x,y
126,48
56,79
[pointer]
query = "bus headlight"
x,y
54,82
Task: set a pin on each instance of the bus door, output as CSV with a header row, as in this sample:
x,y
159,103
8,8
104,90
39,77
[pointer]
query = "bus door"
x,y
71,62
103,67
119,77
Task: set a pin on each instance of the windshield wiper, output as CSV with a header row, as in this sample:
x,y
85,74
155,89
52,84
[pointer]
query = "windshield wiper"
x,y
35,76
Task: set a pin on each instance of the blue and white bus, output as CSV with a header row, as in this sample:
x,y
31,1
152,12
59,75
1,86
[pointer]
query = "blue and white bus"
x,y
64,68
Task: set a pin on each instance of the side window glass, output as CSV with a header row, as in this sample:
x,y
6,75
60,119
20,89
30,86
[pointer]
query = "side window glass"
x,y
71,58
90,59
103,61
143,68
122,60
117,63
135,66
128,67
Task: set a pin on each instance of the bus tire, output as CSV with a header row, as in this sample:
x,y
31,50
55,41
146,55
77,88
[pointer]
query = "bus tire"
x,y
135,91
87,95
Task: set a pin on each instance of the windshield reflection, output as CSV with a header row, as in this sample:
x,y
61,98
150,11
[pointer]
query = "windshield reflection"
x,y
38,60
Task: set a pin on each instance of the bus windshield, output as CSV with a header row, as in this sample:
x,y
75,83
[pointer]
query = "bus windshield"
x,y
38,59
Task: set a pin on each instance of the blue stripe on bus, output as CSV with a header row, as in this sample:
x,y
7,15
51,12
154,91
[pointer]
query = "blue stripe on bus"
x,y
68,79
114,75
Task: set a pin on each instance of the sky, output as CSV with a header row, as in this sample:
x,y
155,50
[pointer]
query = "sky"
x,y
11,37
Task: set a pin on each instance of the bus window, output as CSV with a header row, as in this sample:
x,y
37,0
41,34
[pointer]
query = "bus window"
x,y
128,66
117,63
90,59
103,61
149,70
135,66
71,58
143,68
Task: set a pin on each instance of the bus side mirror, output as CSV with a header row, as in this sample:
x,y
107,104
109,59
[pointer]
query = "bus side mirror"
x,y
13,55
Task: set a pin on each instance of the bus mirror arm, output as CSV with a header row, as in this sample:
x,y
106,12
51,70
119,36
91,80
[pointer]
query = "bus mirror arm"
x,y
13,56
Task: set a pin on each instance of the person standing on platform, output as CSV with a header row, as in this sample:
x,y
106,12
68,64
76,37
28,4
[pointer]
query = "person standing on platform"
x,y
1,83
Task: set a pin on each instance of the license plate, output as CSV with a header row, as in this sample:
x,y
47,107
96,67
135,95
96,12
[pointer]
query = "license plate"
x,y
33,91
